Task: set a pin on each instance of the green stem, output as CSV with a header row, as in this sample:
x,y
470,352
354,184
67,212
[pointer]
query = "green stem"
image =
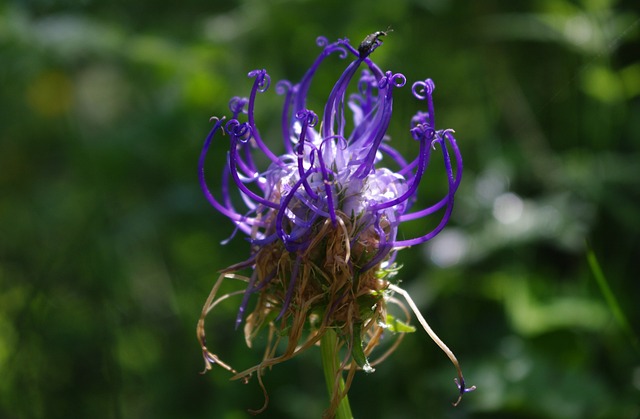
x,y
330,364
611,299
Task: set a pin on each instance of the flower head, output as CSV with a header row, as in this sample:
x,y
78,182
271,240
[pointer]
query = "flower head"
x,y
322,219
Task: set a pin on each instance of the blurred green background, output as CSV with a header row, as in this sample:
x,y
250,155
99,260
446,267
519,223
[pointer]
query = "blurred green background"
x,y
108,248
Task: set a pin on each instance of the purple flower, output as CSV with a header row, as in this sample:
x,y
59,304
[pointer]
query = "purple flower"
x,y
322,218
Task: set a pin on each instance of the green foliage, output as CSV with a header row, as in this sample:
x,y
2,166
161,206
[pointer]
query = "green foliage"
x,y
108,249
398,326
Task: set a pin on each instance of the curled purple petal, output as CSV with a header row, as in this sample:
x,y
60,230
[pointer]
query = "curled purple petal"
x,y
332,170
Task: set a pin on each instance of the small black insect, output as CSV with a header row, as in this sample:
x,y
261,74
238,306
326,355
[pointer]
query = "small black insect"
x,y
372,42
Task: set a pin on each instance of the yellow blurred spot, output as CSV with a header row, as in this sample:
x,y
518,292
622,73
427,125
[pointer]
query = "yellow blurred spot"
x,y
602,84
631,80
50,94
200,89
